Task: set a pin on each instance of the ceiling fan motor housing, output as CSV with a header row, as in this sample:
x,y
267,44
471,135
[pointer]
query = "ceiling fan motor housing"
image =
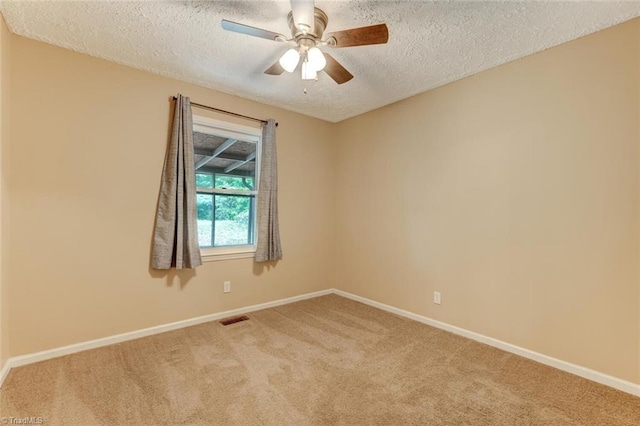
x,y
320,24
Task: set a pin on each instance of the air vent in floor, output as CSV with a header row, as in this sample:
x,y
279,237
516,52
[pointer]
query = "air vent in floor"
x,y
233,320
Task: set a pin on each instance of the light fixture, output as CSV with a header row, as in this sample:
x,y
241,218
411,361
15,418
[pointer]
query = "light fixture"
x,y
308,71
289,61
316,59
313,60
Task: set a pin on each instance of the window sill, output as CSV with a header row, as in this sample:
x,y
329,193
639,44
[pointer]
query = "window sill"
x,y
227,253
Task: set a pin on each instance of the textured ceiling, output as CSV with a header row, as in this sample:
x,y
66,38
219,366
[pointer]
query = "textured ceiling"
x,y
430,43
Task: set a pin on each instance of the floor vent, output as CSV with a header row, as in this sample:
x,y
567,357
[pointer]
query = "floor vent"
x,y
233,320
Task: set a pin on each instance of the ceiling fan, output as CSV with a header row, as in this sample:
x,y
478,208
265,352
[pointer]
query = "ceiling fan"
x,y
307,24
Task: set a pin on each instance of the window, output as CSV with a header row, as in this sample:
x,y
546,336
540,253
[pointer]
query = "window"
x,y
227,163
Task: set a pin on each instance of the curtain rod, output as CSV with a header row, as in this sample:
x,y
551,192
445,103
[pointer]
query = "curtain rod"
x,y
227,112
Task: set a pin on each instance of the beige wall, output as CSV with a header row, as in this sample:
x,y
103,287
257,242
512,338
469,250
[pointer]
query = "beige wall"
x,y
4,196
515,194
88,139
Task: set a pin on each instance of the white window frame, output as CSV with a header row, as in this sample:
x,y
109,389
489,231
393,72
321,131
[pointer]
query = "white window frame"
x,y
246,134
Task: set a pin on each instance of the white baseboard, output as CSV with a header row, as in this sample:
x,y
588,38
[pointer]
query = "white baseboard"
x,y
19,361
4,372
584,372
578,370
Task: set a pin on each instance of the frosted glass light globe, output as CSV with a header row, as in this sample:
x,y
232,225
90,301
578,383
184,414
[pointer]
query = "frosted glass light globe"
x,y
316,59
289,61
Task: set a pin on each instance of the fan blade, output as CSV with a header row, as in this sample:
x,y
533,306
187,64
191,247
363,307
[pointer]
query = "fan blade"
x,y
375,34
303,15
252,31
275,69
336,71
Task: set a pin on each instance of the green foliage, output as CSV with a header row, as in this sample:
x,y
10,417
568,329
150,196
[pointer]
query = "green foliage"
x,y
204,180
234,182
243,218
227,207
205,206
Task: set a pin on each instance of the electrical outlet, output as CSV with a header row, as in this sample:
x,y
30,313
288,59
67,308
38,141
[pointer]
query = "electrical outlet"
x,y
227,286
436,297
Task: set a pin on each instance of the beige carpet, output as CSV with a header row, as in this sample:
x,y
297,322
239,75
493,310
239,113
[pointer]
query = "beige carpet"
x,y
322,361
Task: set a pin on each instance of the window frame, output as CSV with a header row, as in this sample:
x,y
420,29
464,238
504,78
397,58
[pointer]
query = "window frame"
x,y
226,129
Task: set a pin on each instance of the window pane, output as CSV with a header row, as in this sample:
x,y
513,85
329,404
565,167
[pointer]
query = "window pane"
x,y
204,180
234,182
228,162
233,220
205,219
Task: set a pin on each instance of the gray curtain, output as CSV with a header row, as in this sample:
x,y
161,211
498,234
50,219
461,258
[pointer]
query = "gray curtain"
x,y
175,238
269,247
